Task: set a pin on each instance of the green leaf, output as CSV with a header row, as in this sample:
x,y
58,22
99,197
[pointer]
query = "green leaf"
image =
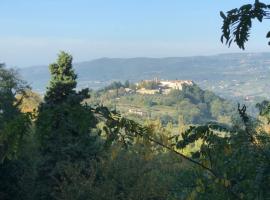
x,y
268,35
222,15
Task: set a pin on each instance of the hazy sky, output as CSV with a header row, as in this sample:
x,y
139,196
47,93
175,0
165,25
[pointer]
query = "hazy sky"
x,y
34,31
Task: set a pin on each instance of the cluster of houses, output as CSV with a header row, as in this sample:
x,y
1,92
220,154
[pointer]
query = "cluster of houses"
x,y
152,87
160,87
165,86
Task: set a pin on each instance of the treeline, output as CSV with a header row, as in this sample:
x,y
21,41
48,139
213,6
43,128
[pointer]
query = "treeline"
x,y
69,149
118,85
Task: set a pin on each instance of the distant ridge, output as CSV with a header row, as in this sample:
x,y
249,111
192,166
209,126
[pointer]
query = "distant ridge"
x,y
212,69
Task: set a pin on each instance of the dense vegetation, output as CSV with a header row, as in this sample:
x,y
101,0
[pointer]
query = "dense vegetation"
x,y
191,105
69,149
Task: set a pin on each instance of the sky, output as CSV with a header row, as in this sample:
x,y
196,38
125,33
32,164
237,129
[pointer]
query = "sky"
x,y
34,31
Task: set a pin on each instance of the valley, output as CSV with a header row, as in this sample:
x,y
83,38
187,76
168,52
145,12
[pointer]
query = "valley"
x,y
241,77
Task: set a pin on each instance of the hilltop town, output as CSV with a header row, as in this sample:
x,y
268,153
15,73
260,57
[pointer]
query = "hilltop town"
x,y
157,86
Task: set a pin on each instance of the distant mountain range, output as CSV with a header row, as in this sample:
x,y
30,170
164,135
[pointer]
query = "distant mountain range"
x,y
244,75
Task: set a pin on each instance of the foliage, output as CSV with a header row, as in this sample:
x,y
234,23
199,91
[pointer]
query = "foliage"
x,y
255,146
30,102
13,132
138,172
197,106
76,151
149,85
13,124
238,22
114,85
235,159
64,129
231,163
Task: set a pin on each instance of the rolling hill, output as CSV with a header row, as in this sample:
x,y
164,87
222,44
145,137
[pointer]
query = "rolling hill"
x,y
240,76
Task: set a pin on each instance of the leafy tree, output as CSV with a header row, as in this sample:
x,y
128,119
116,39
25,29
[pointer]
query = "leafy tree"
x,y
140,170
31,102
231,162
14,127
13,124
236,160
115,85
127,84
150,85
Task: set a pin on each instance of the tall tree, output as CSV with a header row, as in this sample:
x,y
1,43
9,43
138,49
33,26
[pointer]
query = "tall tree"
x,y
64,129
63,80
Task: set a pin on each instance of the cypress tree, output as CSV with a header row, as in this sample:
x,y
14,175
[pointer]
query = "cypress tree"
x,y
64,129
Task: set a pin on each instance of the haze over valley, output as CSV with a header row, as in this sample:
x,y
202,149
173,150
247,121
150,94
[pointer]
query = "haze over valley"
x,y
239,76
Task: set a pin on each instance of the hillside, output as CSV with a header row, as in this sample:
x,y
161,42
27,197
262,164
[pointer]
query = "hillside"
x,y
240,76
190,105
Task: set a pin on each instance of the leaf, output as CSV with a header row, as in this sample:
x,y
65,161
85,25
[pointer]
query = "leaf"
x,y
246,7
268,35
230,42
222,15
221,39
260,18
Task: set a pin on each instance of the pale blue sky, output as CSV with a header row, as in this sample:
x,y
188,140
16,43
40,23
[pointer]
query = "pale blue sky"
x,y
34,31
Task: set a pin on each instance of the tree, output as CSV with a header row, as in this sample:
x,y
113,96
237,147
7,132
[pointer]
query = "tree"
x,y
14,127
13,123
127,84
63,80
235,159
64,129
141,171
